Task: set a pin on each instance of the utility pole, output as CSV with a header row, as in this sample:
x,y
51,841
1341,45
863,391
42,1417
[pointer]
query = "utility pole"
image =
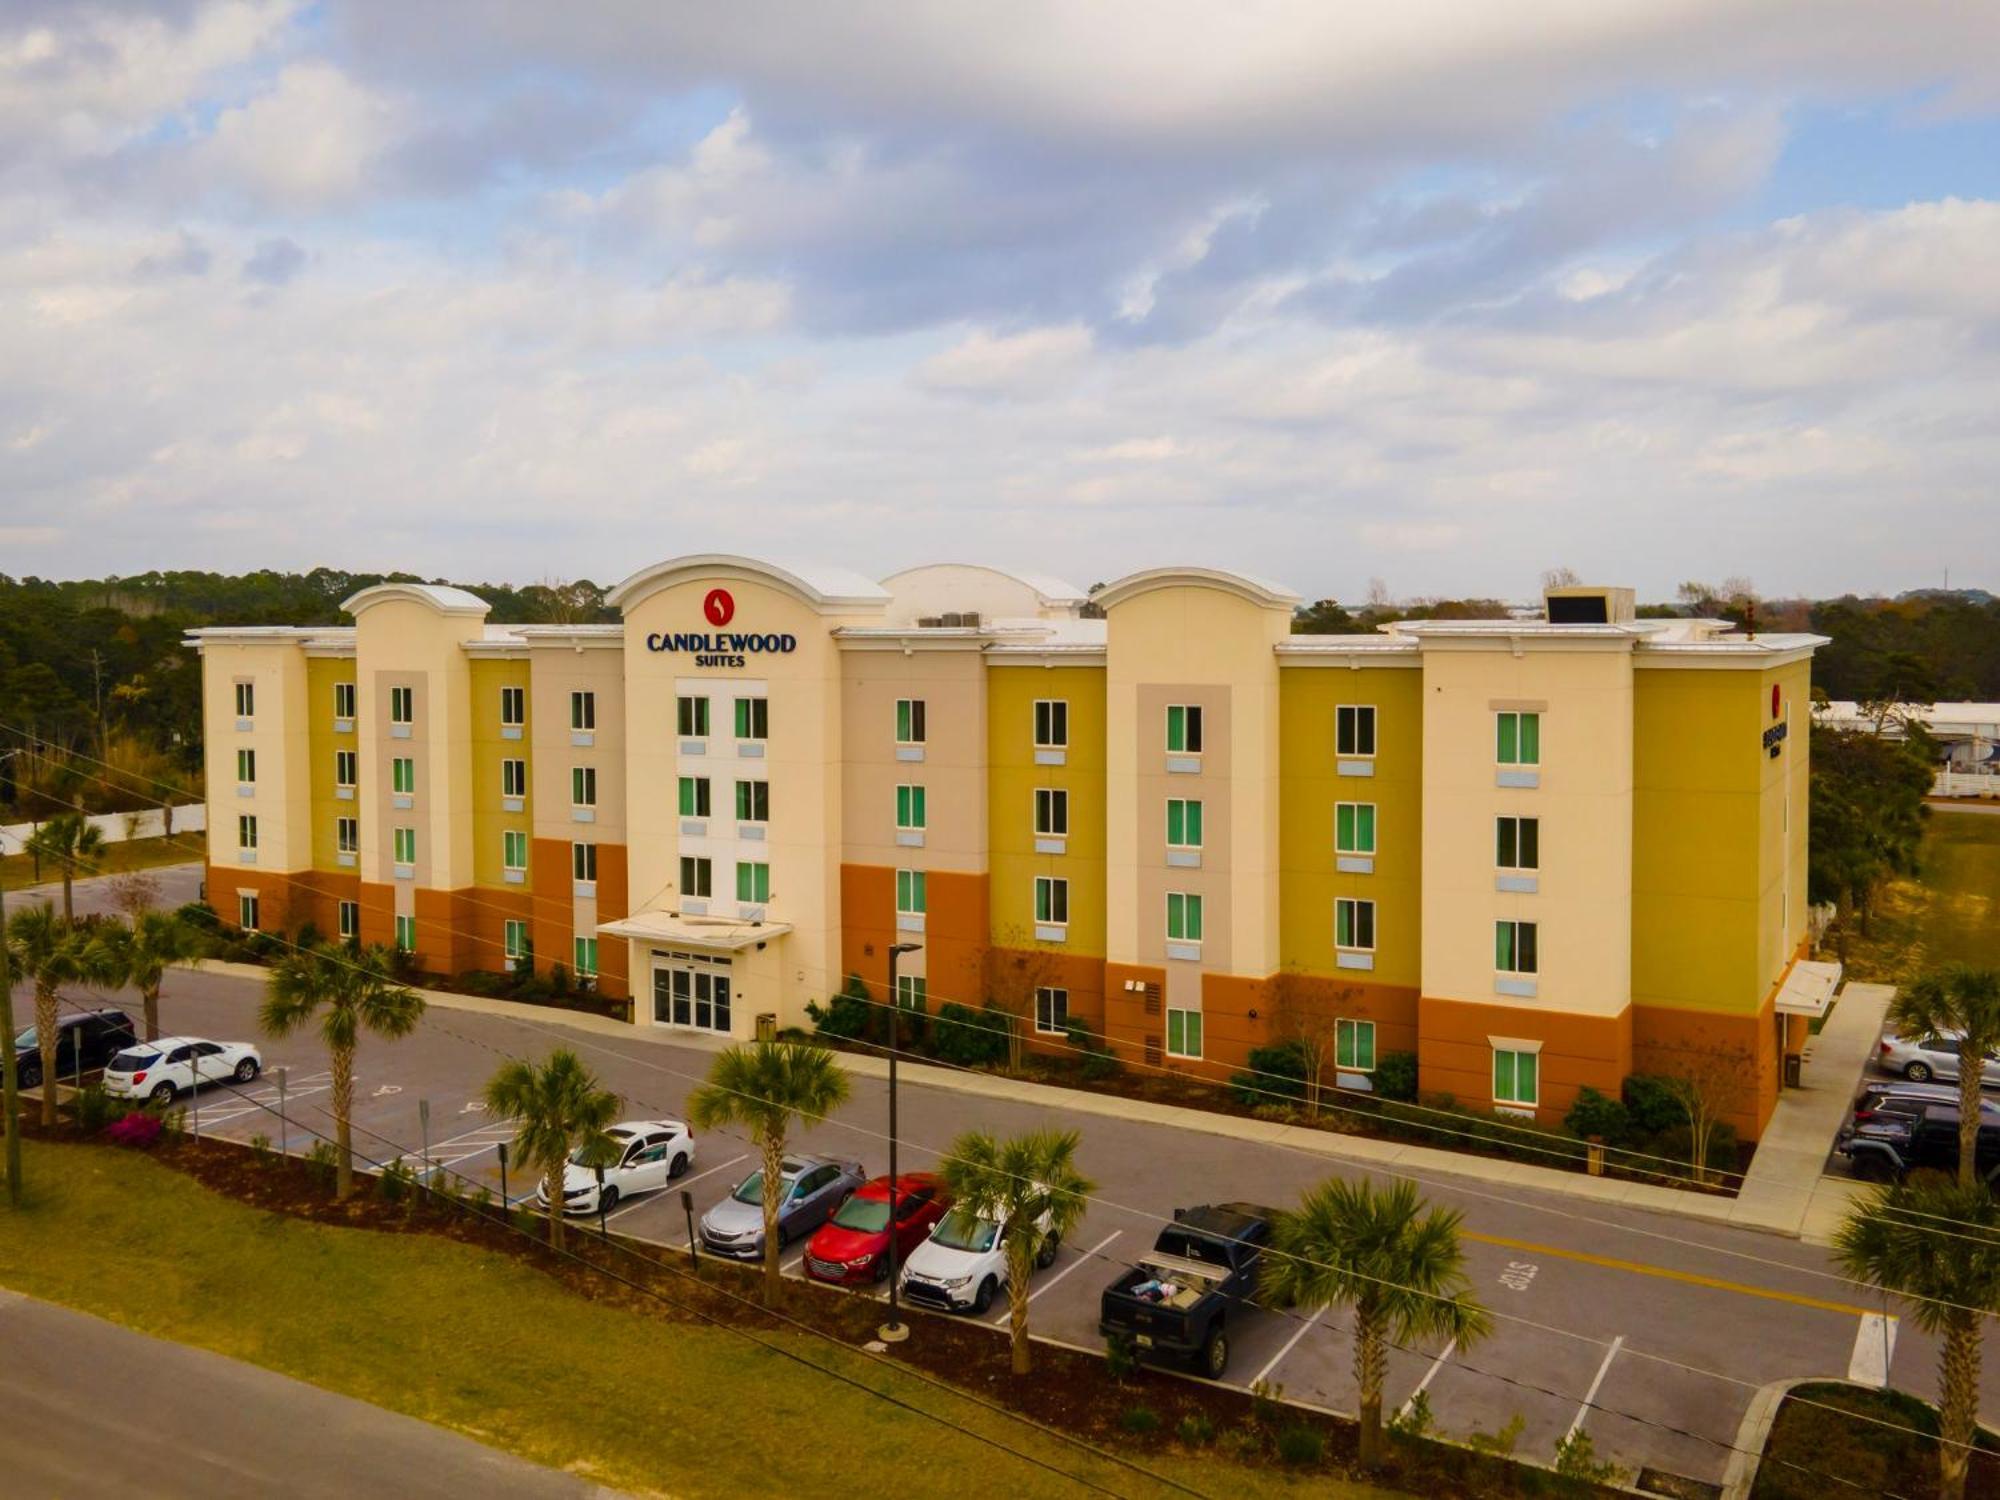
x,y
10,1087
893,1331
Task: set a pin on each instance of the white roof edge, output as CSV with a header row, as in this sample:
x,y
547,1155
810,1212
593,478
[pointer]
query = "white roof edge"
x,y
1243,585
819,584
443,598
1048,588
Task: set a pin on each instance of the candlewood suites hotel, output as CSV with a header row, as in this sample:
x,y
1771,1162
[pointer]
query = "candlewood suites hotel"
x,y
1539,853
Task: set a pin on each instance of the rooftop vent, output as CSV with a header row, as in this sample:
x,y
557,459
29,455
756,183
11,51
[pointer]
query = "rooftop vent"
x,y
1585,604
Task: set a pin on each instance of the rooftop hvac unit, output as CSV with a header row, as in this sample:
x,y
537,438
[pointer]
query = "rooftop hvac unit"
x,y
929,622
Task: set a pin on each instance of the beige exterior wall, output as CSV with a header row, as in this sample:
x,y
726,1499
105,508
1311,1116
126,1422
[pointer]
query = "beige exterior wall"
x,y
280,735
951,682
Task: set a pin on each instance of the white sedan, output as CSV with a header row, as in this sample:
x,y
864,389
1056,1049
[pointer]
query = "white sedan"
x,y
651,1153
963,1264
160,1070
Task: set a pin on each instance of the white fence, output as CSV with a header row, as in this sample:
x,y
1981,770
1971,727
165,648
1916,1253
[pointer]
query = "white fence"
x,y
151,823
1966,784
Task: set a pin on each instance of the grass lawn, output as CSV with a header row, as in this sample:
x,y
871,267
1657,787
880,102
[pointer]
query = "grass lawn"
x,y
478,1342
18,870
1949,911
1832,1438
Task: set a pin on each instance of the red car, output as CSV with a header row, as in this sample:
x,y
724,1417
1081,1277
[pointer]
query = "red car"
x,y
852,1247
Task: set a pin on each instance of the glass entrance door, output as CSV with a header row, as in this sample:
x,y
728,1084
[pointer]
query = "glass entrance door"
x,y
691,990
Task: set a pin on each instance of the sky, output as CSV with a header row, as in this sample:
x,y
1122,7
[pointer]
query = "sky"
x,y
1439,294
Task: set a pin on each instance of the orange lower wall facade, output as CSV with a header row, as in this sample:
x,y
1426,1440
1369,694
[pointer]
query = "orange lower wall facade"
x,y
953,935
1455,1051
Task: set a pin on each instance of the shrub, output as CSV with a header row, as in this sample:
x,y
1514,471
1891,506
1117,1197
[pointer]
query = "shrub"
x,y
323,1163
1576,1458
1652,1105
482,982
1300,1445
1276,1074
1595,1114
1196,1429
845,1014
1096,1060
1139,1419
394,1183
136,1129
1499,1444
1414,1420
93,1108
260,1148
1121,1356
309,935
1396,1076
969,1038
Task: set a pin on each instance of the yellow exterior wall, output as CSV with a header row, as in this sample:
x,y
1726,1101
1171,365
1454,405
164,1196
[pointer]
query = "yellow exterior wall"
x,y
322,672
489,822
1308,790
1012,777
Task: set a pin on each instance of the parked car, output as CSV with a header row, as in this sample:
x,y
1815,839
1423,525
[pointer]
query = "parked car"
x,y
1178,1301
1930,1057
813,1187
651,1153
852,1247
95,1034
1880,1098
1895,1146
963,1264
172,1065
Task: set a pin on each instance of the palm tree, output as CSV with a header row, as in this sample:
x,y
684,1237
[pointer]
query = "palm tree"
x,y
561,1111
1938,1244
352,992
767,1088
1963,1002
1018,1183
141,954
72,841
52,952
1378,1251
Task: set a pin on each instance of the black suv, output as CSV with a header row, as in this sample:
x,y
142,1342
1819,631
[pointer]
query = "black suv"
x,y
1893,1146
97,1034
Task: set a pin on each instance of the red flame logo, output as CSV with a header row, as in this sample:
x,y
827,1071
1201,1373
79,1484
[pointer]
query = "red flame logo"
x,y
719,607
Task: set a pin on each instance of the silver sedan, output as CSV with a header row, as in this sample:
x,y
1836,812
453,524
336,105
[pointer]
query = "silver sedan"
x,y
814,1186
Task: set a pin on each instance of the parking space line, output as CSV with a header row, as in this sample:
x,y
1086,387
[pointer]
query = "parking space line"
x,y
724,1167
1091,1254
1304,1328
1591,1395
1641,1268
1424,1384
1874,1343
791,1265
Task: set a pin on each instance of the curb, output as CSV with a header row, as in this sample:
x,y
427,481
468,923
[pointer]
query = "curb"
x,y
1753,1432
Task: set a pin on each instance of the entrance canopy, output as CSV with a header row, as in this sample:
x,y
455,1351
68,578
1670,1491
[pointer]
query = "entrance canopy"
x,y
693,932
1808,989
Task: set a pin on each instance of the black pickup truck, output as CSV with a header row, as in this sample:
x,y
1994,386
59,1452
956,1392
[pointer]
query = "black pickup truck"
x,y
1177,1302
1891,1147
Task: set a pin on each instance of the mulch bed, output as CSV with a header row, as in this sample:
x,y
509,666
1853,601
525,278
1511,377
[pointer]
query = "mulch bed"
x,y
1069,1391
1836,1440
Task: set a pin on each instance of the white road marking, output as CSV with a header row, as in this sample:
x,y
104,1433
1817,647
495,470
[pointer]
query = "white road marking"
x,y
791,1265
1424,1384
1591,1394
1304,1328
724,1167
1049,1281
1874,1343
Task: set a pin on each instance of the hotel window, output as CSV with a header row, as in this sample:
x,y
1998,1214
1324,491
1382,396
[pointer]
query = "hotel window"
x,y
345,766
513,706
1051,899
910,807
694,796
514,938
246,912
343,700
1519,739
406,846
691,718
1184,729
246,831
583,786
1517,843
1051,812
1183,823
910,892
583,710
753,881
909,721
246,700
753,801
1354,828
1051,1010
347,835
1514,945
1354,1045
1183,917
403,775
1515,1079
1354,729
406,934
586,957
753,718
246,767
350,920
402,705
1354,924
1051,723
514,849
911,990
1183,1033
697,876
513,778
583,862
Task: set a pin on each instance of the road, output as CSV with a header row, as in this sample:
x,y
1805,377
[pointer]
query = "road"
x,y
1648,1331
92,895
186,1422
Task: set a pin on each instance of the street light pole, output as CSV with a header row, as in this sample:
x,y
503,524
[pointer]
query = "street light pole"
x,y
10,1083
893,1331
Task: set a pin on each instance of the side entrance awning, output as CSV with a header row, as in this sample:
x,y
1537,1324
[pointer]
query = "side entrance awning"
x,y
680,931
1808,988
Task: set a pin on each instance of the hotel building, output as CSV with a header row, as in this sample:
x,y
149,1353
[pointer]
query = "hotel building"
x,y
1538,853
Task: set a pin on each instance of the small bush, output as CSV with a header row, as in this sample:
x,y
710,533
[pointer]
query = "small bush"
x,y
968,1038
1576,1459
394,1183
136,1129
323,1163
1121,1356
1277,1074
845,1014
1196,1429
1300,1445
1267,1398
1652,1105
1139,1419
93,1108
1096,1059
1499,1444
1414,1420
1595,1114
174,1122
1396,1076
260,1148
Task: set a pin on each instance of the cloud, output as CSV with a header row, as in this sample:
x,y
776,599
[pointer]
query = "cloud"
x,y
1020,365
188,256
307,143
274,262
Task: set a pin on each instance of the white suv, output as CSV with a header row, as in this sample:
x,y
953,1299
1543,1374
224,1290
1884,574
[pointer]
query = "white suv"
x,y
160,1070
963,1264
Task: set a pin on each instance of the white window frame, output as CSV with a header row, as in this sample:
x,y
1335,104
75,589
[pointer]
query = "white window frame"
x,y
246,698
912,990
1200,817
583,710
347,835
912,893
403,844
583,861
1351,1029
343,700
691,716
1374,828
247,911
406,934
697,876
513,777
1052,1010
1052,798
1058,710
755,897
1517,868
346,768
584,951
910,713
1535,942
1518,715
514,939
398,783
1191,719
746,791
1184,1017
402,705
1354,924
1507,1047
1374,730
912,807
583,786
513,708
347,919
246,830
702,796
246,767
1190,905
756,716
513,840
1056,885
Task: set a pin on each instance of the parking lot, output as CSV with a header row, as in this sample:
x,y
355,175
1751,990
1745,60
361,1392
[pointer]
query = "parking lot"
x,y
1650,1333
